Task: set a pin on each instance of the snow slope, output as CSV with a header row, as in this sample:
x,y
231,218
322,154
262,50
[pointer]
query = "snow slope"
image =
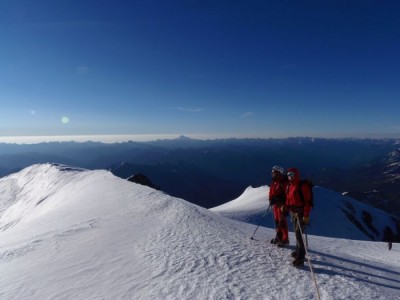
x,y
334,215
68,233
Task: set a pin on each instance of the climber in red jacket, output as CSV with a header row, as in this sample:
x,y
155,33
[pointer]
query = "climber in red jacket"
x,y
298,201
277,199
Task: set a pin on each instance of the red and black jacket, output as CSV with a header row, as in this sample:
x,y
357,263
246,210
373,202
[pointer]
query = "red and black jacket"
x,y
296,198
277,191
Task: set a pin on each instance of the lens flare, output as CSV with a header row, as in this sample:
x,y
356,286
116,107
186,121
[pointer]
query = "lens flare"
x,y
65,120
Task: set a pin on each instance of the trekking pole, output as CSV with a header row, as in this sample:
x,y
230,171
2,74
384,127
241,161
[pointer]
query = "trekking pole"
x,y
309,260
259,223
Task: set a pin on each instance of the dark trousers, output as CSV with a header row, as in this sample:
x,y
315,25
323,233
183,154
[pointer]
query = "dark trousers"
x,y
299,227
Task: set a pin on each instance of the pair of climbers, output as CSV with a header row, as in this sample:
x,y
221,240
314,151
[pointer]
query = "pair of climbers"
x,y
288,194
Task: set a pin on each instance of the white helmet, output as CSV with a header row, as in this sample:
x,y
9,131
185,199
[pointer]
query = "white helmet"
x,y
278,169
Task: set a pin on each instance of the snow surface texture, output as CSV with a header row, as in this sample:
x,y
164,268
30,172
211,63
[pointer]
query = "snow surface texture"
x,y
75,234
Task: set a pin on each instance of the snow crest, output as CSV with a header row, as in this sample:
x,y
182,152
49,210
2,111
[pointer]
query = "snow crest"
x,y
77,234
333,215
21,194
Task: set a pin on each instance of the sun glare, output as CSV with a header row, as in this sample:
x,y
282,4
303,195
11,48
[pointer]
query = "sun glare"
x,y
65,120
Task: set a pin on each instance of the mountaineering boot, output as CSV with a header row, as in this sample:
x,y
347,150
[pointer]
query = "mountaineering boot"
x,y
277,238
275,241
298,262
283,244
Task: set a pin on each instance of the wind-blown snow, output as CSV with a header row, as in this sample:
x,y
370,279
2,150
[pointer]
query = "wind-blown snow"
x,y
75,234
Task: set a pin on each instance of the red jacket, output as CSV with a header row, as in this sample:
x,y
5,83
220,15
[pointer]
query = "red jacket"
x,y
293,198
278,189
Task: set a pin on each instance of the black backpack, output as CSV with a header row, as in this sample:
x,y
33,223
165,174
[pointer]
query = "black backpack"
x,y
310,185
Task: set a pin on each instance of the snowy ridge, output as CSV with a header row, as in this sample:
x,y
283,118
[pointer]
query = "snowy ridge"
x,y
92,235
334,215
24,191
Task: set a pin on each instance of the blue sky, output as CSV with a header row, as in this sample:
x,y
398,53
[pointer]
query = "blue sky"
x,y
233,68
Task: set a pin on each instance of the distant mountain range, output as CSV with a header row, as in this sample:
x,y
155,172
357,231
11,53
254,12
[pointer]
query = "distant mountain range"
x,y
193,169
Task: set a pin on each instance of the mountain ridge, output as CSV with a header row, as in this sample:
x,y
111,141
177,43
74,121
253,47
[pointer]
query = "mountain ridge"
x,y
91,235
333,215
357,166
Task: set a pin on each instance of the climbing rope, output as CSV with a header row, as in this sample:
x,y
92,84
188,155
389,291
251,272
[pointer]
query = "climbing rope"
x,y
309,261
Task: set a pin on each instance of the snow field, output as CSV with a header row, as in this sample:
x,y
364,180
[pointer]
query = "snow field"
x,y
90,235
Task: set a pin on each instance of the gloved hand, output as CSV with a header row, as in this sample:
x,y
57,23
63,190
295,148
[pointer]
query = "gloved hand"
x,y
306,220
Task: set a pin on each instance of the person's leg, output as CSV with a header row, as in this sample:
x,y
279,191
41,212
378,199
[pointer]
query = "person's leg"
x,y
284,226
293,218
300,249
283,230
278,235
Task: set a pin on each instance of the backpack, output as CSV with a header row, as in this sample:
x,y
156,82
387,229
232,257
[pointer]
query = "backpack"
x,y
310,185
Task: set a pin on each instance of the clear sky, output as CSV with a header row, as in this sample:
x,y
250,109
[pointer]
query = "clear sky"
x,y
235,68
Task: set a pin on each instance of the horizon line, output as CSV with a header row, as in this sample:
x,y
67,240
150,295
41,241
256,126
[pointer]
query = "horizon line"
x,y
120,138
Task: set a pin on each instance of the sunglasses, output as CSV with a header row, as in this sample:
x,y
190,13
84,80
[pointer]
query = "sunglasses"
x,y
290,174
